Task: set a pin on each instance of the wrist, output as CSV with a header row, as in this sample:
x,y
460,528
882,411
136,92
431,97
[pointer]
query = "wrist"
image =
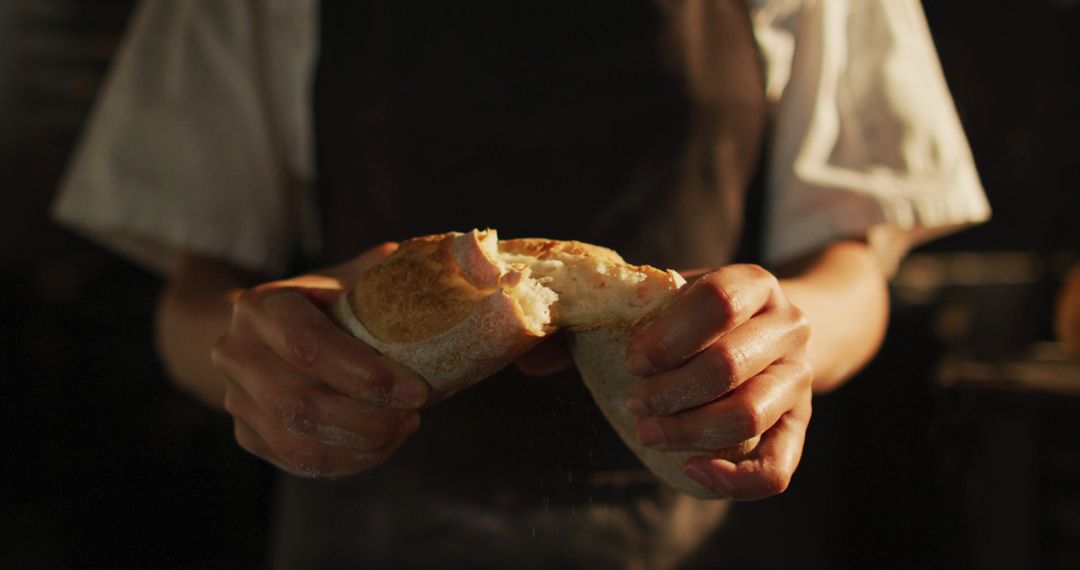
x,y
843,294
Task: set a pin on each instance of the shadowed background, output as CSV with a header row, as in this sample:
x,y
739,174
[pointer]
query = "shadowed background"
x,y
932,457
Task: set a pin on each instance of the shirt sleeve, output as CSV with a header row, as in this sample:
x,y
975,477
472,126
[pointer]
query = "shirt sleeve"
x,y
190,146
865,140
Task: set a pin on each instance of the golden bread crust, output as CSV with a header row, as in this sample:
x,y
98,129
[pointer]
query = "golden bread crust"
x,y
444,306
486,341
415,293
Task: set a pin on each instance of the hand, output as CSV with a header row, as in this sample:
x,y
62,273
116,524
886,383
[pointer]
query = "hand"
x,y
726,362
304,395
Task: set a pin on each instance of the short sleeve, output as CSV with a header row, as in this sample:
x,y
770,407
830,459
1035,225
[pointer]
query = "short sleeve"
x,y
866,141
190,145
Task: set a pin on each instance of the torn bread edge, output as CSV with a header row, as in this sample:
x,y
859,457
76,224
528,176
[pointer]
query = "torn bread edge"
x,y
525,295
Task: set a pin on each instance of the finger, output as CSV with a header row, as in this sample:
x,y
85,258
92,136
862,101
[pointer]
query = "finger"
x,y
250,441
302,335
750,410
302,405
241,405
548,357
702,311
735,357
301,456
768,471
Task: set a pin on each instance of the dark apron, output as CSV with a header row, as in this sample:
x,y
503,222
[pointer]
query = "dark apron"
x,y
628,124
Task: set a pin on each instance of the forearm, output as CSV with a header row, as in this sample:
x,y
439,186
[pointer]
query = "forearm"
x,y
843,294
194,311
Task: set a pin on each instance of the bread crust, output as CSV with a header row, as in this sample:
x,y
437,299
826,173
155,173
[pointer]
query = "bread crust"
x,y
435,305
417,292
484,342
441,305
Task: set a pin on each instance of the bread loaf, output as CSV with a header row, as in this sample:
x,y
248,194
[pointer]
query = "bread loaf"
x,y
455,308
448,308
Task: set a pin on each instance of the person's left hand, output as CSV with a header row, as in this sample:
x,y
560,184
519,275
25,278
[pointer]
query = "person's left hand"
x,y
725,362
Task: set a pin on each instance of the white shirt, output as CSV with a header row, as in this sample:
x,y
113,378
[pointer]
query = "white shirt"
x,y
202,137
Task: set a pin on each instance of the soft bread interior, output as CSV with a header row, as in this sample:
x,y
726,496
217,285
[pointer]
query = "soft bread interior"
x,y
534,301
589,291
550,285
593,286
455,308
481,263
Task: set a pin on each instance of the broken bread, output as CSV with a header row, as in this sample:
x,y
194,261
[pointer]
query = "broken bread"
x,y
457,307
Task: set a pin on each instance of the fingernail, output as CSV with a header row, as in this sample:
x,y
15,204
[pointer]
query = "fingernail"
x,y
649,433
639,364
699,475
637,407
410,392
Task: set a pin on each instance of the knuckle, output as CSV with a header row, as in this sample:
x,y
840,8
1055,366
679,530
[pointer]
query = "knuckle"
x,y
231,402
296,413
724,304
773,481
314,462
306,461
762,275
379,378
728,361
806,372
372,460
303,343
243,438
751,420
800,324
245,442
222,353
362,377
301,457
756,271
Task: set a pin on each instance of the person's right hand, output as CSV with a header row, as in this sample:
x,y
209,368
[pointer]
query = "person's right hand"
x,y
306,396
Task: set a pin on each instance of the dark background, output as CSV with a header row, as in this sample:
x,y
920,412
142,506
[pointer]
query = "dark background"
x,y
104,464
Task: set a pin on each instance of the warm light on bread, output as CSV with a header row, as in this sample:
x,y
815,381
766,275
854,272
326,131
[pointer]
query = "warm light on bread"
x,y
455,308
